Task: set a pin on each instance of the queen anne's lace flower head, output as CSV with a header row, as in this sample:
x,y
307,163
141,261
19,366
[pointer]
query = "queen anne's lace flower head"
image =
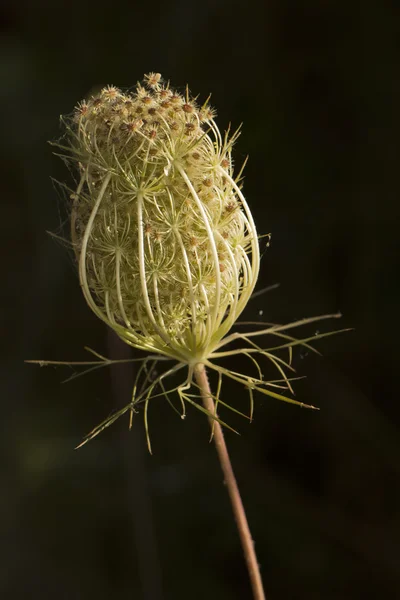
x,y
167,247
166,244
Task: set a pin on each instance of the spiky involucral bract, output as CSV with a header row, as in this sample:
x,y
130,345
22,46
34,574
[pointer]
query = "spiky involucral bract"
x,y
167,247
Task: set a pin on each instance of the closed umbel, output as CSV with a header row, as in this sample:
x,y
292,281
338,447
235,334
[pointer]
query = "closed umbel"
x,y
167,247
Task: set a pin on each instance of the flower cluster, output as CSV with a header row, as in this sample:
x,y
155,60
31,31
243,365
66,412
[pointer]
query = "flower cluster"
x,y
167,247
166,244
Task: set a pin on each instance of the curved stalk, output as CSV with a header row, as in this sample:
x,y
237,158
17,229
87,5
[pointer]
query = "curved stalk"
x,y
82,258
216,307
255,260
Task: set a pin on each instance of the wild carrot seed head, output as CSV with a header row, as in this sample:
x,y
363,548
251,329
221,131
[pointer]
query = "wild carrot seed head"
x,y
156,176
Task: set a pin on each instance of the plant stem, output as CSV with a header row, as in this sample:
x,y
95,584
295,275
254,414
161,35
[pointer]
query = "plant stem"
x,y
231,484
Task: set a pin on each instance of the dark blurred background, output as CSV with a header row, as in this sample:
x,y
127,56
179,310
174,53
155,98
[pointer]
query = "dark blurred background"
x,y
316,84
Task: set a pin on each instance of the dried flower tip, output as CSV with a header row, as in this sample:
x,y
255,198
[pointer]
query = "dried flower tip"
x,y
152,133
230,207
165,104
152,79
207,113
132,126
163,93
176,99
190,128
80,110
110,92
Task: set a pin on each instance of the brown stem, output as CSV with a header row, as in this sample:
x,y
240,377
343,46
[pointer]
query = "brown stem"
x,y
231,484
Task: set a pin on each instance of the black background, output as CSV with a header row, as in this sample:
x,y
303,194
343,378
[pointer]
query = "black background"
x,y
316,84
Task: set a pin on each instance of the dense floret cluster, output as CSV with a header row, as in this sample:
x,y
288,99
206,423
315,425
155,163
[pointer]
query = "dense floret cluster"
x,y
167,247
